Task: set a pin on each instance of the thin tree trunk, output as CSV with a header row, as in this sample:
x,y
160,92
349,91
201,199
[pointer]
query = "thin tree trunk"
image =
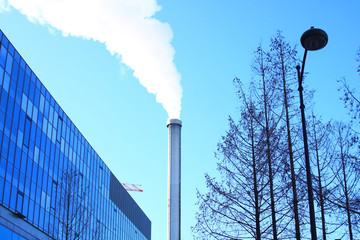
x,y
268,154
346,190
291,155
257,210
320,186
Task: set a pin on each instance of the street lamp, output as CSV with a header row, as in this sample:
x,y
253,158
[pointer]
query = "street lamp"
x,y
312,40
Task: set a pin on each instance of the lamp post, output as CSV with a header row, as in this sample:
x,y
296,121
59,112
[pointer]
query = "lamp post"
x,y
312,40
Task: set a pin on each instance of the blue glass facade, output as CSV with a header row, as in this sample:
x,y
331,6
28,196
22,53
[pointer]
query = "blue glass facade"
x,y
38,142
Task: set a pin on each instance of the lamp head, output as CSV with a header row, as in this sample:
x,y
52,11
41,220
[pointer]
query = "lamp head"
x,y
314,39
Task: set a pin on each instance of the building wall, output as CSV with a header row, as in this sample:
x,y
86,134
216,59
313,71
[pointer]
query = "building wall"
x,y
38,143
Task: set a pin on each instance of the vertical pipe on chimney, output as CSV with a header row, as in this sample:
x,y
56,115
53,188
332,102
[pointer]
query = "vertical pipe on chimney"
x,y
174,179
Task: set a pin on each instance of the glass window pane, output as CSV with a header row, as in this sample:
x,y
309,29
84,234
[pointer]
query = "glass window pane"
x,y
9,62
3,53
27,131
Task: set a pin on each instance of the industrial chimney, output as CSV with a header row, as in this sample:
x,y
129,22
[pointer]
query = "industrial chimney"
x,y
174,179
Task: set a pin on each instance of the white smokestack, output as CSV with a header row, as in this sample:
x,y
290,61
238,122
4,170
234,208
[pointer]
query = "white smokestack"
x,y
127,28
174,179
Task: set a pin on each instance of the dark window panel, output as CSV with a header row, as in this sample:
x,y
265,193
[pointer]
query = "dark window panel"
x,y
7,192
29,168
25,206
22,182
46,164
1,76
12,89
28,70
3,54
13,197
34,178
3,101
18,96
37,97
41,218
17,158
26,85
5,41
38,83
7,128
23,163
9,62
47,96
32,91
22,63
39,177
21,78
13,134
33,131
52,151
31,211
11,156
5,147
27,186
51,115
15,71
11,49
9,172
43,142
2,183
38,195
15,180
59,129
27,131
36,214
22,120
40,119
16,117
57,156
48,147
57,107
38,137
33,78
52,101
49,183
10,108
56,172
2,167
46,109
2,121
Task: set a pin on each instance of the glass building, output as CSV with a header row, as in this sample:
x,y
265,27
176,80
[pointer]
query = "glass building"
x,y
39,145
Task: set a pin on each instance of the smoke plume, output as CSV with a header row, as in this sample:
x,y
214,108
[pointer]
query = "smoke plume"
x,y
127,28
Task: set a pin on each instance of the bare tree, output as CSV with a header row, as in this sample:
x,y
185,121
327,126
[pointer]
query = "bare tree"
x,y
351,100
269,103
251,200
283,61
73,210
350,97
322,149
346,194
236,207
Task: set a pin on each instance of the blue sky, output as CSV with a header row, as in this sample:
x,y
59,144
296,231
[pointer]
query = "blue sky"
x,y
213,42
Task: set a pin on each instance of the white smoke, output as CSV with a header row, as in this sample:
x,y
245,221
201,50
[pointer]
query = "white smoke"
x,y
127,28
